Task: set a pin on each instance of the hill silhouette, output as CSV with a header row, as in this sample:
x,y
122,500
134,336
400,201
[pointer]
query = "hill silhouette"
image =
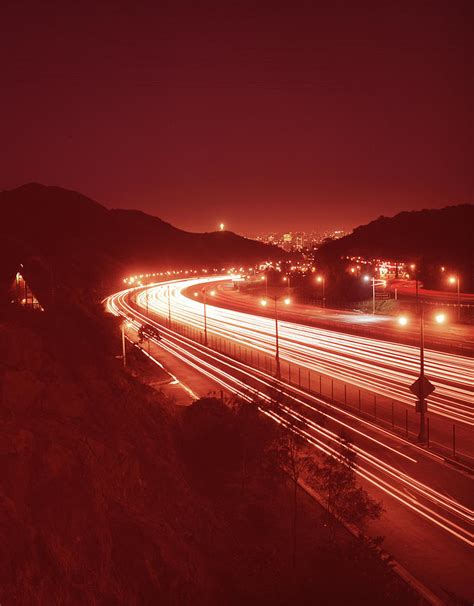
x,y
440,237
66,240
443,234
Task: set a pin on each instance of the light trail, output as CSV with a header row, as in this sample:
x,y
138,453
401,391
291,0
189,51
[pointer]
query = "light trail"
x,y
382,367
379,462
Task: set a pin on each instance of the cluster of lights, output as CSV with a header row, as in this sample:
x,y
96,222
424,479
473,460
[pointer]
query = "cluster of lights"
x,y
138,279
439,318
264,302
212,293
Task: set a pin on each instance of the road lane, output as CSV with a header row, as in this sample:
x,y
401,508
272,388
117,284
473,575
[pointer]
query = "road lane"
x,y
436,499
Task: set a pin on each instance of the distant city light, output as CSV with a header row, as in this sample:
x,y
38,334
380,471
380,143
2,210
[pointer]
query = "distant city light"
x,y
221,226
287,301
403,320
263,302
440,318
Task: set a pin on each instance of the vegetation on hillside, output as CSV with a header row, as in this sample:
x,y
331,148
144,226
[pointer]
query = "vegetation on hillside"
x,y
111,495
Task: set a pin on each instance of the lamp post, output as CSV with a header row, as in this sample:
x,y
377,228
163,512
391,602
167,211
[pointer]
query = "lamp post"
x,y
415,273
422,401
422,386
204,295
374,284
322,281
455,280
169,307
204,292
287,280
124,325
147,316
277,343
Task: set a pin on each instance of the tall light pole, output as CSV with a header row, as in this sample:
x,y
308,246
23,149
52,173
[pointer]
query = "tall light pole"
x,y
374,284
415,273
455,280
147,316
322,281
204,295
422,387
422,401
287,301
124,325
169,307
204,292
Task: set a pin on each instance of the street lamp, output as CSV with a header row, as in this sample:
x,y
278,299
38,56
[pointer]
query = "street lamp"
x,y
125,324
287,280
374,284
455,280
286,301
169,307
322,281
204,294
422,387
415,274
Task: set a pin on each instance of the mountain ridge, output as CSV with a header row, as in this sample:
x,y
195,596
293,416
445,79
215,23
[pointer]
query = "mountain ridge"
x,y
80,243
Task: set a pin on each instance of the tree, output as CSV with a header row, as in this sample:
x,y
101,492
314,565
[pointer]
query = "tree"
x,y
296,463
345,500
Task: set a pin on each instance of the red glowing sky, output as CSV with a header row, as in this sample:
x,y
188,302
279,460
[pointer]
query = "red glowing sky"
x,y
275,117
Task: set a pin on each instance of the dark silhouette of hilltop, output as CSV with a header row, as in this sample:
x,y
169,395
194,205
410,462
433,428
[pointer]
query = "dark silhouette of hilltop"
x,y
65,240
442,237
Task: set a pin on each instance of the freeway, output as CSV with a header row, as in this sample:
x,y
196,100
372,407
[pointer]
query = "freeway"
x,y
380,366
433,501
451,336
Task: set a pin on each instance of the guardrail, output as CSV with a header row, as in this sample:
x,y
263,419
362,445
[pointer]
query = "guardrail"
x,y
451,440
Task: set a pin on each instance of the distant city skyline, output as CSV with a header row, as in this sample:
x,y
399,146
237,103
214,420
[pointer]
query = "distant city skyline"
x,y
298,239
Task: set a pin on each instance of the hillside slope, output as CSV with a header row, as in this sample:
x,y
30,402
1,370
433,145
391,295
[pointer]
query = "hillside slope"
x,y
443,235
429,238
102,499
63,238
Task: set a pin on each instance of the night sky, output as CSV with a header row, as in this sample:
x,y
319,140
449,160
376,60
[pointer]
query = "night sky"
x,y
263,115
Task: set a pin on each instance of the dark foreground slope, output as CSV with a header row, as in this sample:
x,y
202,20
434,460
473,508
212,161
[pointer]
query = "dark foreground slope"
x,y
99,504
63,238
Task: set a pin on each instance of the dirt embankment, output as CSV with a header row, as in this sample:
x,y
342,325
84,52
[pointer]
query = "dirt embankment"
x,y
101,501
